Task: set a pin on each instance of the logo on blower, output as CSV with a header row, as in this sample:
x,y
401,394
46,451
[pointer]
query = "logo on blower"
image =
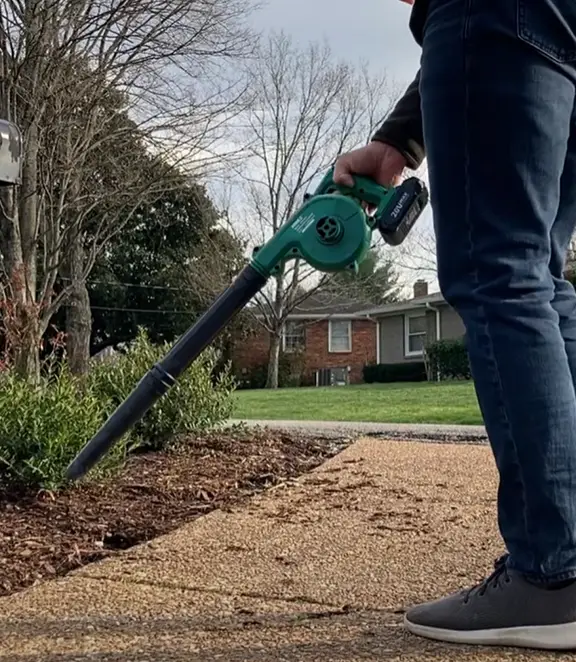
x,y
304,222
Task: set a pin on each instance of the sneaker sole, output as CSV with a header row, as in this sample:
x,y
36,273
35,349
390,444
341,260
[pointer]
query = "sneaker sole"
x,y
543,637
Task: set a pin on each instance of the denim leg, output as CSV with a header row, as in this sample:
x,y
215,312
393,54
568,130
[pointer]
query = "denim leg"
x,y
497,121
565,298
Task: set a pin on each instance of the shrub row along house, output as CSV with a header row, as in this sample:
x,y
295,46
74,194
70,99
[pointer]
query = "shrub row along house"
x,y
337,334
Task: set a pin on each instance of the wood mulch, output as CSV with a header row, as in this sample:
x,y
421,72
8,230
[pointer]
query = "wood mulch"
x,y
45,535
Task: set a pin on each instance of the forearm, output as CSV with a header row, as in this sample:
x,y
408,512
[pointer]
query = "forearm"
x,y
403,127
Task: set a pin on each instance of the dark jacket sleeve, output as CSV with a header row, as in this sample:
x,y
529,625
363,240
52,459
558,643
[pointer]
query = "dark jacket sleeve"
x,y
403,127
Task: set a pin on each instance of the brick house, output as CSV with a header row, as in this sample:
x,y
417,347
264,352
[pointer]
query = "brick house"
x,y
318,334
343,334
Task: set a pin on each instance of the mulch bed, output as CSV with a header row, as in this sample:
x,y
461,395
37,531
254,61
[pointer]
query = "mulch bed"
x,y
46,535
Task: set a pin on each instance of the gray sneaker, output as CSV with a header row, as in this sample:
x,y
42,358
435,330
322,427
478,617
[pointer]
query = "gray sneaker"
x,y
504,610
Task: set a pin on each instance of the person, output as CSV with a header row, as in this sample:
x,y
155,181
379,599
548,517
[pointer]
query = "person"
x,y
492,109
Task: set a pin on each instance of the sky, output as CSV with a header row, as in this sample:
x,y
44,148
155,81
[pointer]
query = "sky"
x,y
375,30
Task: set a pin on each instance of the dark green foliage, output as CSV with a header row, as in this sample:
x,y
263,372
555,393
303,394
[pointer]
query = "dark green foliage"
x,y
165,268
170,260
413,371
448,359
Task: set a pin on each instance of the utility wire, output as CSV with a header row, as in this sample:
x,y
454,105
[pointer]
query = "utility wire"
x,y
147,287
144,310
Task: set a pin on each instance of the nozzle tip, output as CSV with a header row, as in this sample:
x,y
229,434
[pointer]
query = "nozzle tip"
x,y
75,471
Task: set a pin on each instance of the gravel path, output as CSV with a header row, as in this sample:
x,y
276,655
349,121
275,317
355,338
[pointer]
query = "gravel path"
x,y
433,433
319,569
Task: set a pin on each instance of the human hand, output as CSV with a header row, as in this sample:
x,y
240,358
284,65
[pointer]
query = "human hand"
x,y
380,162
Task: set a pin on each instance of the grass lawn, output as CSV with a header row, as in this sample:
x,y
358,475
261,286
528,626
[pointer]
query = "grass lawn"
x,y
452,403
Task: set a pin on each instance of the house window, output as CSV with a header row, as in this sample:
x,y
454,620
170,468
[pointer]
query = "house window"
x,y
415,334
340,336
293,337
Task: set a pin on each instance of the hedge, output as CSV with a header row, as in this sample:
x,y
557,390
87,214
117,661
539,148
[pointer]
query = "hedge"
x,y
448,359
290,374
413,371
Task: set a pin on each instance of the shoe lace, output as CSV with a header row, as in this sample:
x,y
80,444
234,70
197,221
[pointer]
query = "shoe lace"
x,y
498,577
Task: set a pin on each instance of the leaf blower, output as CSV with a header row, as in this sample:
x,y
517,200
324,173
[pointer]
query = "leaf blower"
x,y
331,231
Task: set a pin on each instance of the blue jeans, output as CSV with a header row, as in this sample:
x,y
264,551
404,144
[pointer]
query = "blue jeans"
x,y
498,100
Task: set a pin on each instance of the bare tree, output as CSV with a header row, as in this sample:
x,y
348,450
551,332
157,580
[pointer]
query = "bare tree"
x,y
416,257
307,109
60,62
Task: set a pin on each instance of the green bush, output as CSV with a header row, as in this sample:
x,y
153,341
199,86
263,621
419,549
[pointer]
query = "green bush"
x,y
199,400
254,377
448,359
43,426
257,376
412,371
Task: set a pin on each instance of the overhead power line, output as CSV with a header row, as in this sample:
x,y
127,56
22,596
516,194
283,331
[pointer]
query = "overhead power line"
x,y
144,310
138,285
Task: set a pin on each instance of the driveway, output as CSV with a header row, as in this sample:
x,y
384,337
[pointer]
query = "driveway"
x,y
316,570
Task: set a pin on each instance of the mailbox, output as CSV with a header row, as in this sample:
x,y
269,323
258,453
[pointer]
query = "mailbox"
x,y
10,154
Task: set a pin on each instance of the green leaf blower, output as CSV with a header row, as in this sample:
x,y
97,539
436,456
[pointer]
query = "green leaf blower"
x,y
331,231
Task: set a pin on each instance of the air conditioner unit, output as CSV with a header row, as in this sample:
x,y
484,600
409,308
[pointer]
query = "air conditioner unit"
x,y
333,376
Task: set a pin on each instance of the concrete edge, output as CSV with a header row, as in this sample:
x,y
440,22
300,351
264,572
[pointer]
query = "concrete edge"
x,y
414,432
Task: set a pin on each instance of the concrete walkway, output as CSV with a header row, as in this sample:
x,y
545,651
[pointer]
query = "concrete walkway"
x,y
315,571
423,432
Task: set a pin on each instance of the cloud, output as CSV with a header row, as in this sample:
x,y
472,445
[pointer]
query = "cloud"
x,y
374,30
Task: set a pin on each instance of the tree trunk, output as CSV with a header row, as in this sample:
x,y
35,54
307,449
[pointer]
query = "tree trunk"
x,y
78,313
28,214
273,360
26,355
276,335
22,329
23,326
78,329
20,321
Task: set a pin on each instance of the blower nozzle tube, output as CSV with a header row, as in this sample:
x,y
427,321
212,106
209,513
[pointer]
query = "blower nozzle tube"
x,y
157,381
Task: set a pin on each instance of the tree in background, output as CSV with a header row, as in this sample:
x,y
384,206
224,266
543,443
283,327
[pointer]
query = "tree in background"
x,y
376,283
114,184
417,255
170,261
307,108
87,81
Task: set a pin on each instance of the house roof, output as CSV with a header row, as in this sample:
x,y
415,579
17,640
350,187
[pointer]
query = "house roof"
x,y
320,304
402,306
